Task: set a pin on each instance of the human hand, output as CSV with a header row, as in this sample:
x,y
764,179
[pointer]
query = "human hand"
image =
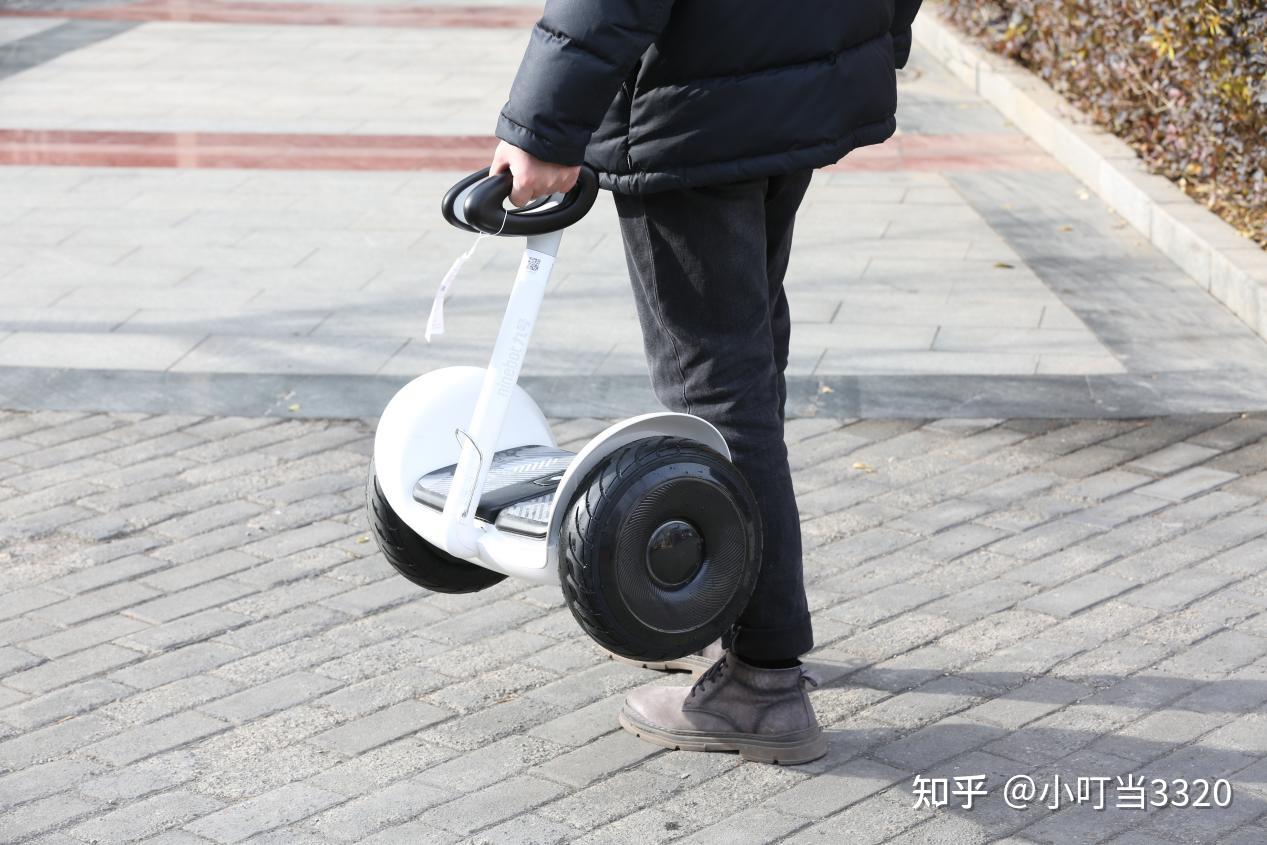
x,y
533,177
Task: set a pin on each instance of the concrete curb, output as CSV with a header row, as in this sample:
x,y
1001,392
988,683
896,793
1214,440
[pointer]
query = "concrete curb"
x,y
1121,396
1230,267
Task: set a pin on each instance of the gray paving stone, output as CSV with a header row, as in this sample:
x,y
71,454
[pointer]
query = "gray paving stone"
x,y
173,578
1077,595
1117,510
27,599
264,812
1186,484
875,819
1178,589
936,742
174,665
483,621
146,817
138,743
493,804
378,728
292,567
168,699
528,829
185,630
1029,702
355,820
846,785
372,597
1045,539
13,659
1227,532
96,603
54,740
382,690
582,725
380,766
928,703
43,780
270,697
1174,457
103,574
192,600
74,667
288,626
413,832
752,826
599,759
602,802
298,539
98,631
42,815
63,702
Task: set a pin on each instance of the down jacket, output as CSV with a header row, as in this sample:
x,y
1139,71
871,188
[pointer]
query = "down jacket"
x,y
659,94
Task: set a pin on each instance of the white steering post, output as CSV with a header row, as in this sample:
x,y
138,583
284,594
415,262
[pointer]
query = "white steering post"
x,y
479,440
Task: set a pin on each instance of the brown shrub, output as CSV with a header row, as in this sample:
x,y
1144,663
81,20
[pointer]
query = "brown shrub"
x,y
1183,81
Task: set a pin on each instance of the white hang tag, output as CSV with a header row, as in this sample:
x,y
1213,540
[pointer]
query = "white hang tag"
x,y
435,322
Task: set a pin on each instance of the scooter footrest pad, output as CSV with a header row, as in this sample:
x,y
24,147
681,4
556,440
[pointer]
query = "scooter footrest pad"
x,y
531,517
517,490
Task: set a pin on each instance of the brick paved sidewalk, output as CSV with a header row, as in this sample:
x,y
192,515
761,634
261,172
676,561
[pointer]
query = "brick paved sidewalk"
x,y
200,644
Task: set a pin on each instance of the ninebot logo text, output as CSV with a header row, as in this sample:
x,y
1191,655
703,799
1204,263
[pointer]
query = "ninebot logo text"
x,y
515,359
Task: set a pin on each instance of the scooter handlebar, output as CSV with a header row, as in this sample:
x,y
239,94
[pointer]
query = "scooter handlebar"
x,y
477,204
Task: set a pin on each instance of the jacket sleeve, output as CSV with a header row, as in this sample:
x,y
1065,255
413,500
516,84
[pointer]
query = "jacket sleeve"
x,y
904,14
578,55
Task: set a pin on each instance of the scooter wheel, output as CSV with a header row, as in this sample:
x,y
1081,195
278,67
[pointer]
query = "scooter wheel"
x,y
660,549
415,558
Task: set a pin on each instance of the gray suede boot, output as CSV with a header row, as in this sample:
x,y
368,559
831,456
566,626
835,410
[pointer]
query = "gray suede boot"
x,y
696,663
764,714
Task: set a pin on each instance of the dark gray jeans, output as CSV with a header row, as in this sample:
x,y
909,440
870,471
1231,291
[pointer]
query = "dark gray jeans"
x,y
707,267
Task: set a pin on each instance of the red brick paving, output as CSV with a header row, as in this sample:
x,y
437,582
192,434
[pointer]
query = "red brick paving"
x,y
282,151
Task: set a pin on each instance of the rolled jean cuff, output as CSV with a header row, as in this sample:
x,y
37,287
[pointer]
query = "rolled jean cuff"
x,y
786,642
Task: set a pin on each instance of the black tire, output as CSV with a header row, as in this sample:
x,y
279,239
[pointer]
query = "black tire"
x,y
415,558
609,571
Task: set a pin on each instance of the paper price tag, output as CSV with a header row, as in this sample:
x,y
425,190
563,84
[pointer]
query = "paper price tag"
x,y
435,322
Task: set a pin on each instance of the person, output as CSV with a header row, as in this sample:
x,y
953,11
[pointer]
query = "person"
x,y
706,120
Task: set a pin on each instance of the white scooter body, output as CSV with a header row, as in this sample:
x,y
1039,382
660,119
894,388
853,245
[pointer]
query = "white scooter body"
x,y
464,415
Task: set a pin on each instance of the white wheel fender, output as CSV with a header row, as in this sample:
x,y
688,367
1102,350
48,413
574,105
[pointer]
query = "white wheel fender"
x,y
615,437
416,435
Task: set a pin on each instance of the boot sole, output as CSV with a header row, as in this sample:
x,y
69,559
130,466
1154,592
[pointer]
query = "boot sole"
x,y
692,663
803,747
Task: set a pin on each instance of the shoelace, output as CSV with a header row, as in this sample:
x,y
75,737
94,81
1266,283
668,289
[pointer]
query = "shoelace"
x,y
711,674
714,672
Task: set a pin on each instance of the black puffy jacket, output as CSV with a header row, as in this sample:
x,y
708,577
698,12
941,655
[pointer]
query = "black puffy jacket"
x,y
658,94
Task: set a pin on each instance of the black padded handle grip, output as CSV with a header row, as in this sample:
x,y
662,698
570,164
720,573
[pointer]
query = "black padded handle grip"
x,y
483,209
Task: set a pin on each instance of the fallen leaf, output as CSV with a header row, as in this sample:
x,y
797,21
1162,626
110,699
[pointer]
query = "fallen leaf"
x,y
822,388
362,539
1066,228
1003,265
864,467
294,408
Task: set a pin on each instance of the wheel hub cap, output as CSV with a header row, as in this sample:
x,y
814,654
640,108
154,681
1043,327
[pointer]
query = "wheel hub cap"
x,y
675,553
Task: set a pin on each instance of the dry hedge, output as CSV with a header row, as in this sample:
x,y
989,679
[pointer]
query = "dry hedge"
x,y
1183,81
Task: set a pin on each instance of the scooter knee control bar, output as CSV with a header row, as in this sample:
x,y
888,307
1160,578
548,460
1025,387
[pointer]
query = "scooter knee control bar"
x,y
477,204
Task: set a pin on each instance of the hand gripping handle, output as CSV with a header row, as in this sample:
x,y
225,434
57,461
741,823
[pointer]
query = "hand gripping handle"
x,y
477,204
